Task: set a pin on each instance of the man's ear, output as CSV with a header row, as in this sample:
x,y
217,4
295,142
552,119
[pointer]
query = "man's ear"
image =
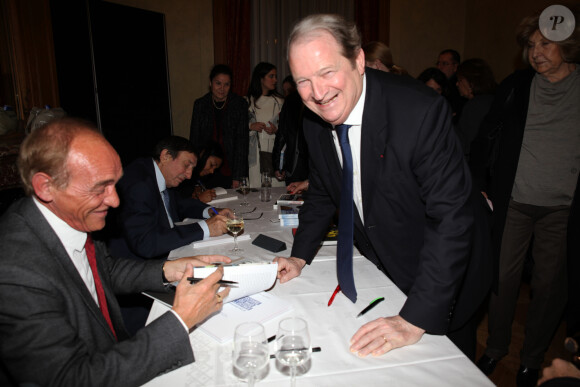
x,y
360,62
42,185
165,156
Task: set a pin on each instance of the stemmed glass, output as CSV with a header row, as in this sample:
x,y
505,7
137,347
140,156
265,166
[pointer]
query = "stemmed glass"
x,y
293,344
250,351
235,225
245,189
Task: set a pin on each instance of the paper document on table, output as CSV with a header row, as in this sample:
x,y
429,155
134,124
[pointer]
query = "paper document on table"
x,y
221,240
220,191
220,199
260,307
251,277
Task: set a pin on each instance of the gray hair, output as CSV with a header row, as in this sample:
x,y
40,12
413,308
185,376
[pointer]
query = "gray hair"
x,y
345,33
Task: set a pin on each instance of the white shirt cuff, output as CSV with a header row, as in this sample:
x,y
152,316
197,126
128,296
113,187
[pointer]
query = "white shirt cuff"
x,y
180,320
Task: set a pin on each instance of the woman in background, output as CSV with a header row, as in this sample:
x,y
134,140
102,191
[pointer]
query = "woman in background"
x,y
434,78
475,81
378,56
200,186
265,104
222,116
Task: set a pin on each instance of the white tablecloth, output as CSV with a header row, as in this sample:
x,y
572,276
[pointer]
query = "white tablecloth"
x,y
433,361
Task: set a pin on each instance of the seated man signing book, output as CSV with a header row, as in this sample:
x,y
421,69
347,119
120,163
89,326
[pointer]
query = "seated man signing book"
x,y
151,207
145,225
60,324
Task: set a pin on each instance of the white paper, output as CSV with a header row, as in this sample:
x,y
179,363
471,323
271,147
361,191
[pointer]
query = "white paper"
x,y
251,277
223,200
260,307
220,191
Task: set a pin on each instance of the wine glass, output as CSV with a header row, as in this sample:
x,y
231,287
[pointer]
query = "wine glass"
x,y
235,225
245,189
250,351
293,344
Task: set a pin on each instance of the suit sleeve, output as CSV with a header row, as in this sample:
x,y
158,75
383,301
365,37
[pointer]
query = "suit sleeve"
x,y
144,221
50,337
445,187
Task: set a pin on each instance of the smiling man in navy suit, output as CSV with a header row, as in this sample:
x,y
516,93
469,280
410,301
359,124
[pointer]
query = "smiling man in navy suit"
x,y
411,190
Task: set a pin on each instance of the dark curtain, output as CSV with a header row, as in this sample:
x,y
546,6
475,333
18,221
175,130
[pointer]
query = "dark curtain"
x,y
372,19
231,29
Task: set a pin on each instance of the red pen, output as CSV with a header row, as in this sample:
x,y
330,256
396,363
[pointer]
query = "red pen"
x,y
334,295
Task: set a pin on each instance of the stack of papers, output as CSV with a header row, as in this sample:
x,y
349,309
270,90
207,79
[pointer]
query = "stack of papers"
x,y
222,196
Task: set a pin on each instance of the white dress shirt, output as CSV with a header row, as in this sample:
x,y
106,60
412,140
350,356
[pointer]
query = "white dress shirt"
x,y
162,187
74,244
354,137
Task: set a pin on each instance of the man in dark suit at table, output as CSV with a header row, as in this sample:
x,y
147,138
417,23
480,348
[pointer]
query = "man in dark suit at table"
x,y
60,323
144,226
409,196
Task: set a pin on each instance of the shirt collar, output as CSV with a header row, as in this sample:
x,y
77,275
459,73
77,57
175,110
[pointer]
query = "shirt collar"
x,y
355,117
159,177
70,238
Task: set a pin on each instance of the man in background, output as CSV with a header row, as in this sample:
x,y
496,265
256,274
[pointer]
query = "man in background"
x,y
447,62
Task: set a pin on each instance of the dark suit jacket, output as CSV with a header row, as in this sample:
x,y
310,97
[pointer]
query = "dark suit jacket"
x,y
416,190
142,228
51,330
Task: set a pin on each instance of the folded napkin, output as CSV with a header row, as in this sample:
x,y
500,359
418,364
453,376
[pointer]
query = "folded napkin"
x,y
221,240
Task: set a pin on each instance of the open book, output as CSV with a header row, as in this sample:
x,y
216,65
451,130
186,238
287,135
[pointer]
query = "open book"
x,y
247,302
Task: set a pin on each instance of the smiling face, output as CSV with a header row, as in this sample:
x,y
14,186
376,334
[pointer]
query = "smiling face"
x,y
211,165
220,87
546,58
94,168
327,82
269,81
175,170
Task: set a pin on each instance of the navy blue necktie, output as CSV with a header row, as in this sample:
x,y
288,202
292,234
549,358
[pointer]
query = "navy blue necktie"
x,y
167,202
346,219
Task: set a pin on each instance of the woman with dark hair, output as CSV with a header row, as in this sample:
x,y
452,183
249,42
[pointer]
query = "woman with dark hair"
x,y
265,104
434,78
222,116
200,186
532,182
476,83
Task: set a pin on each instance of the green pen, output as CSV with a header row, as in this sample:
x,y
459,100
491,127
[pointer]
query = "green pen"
x,y
373,303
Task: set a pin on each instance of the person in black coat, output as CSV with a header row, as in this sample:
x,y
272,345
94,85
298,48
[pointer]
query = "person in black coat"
x,y
222,116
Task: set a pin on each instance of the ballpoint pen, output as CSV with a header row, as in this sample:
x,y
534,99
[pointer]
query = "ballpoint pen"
x,y
334,295
214,210
201,185
373,303
194,280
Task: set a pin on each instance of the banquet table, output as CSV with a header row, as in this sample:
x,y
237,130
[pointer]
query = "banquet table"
x,y
433,361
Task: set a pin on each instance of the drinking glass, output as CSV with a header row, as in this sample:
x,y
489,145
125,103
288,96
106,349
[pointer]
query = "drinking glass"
x,y
293,344
245,189
251,353
235,225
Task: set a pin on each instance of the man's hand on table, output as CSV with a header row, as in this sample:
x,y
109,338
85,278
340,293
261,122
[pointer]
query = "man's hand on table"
x,y
384,334
289,268
173,270
217,225
194,302
559,369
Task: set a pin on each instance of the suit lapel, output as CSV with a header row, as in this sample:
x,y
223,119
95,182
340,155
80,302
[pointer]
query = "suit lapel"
x,y
374,138
39,225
